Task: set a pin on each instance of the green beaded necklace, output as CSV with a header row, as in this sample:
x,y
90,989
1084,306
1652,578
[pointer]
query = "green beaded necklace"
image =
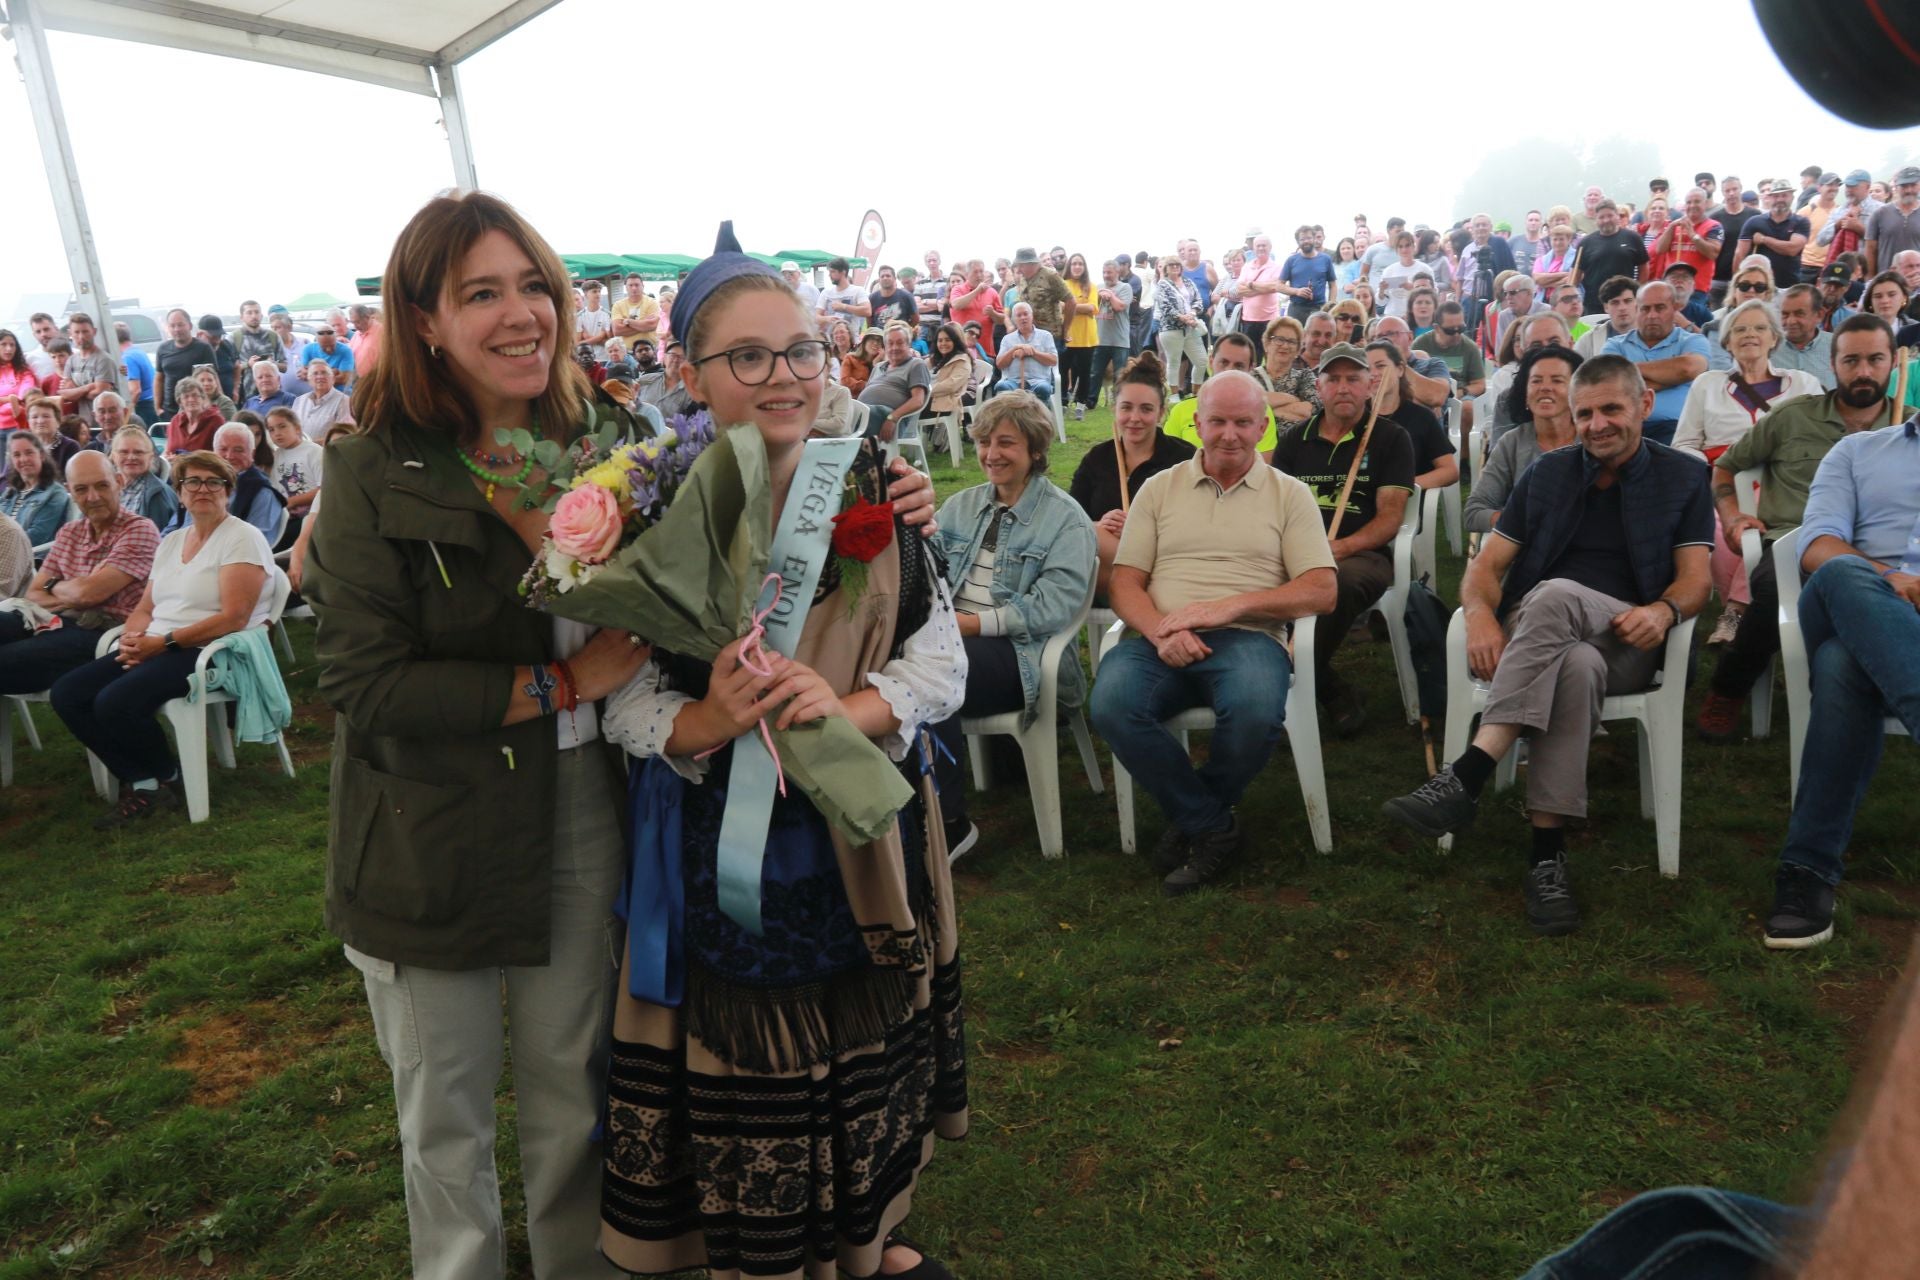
x,y
514,481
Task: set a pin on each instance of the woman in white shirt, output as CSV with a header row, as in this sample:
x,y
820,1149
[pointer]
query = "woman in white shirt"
x,y
209,580
1721,408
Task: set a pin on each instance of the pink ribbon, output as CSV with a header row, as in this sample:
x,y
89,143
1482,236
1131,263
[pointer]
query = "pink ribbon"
x,y
754,658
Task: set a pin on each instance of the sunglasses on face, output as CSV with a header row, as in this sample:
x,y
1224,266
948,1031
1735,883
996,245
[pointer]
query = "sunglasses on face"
x,y
1750,286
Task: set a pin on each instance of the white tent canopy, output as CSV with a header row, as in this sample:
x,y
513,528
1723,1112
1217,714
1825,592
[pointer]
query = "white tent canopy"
x,y
414,46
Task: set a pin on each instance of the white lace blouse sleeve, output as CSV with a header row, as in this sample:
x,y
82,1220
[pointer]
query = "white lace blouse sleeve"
x,y
638,717
928,681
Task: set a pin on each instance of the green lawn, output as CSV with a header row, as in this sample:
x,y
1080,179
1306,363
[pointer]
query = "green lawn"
x,y
1350,1066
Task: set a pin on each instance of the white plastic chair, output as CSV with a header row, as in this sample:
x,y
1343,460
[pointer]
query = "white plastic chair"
x,y
1795,659
24,702
1450,503
954,424
1303,736
1412,553
906,435
1746,491
1660,710
191,718
1039,741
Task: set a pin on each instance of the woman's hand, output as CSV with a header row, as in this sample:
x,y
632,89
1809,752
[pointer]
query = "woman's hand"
x,y
912,497
136,648
609,660
1112,522
812,697
736,697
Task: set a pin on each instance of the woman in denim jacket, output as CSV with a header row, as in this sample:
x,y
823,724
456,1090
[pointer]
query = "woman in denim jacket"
x,y
1020,561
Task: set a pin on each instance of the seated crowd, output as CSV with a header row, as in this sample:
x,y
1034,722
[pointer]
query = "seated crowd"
x,y
1276,424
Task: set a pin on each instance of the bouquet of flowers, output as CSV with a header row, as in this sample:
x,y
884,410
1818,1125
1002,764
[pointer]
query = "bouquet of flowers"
x,y
670,538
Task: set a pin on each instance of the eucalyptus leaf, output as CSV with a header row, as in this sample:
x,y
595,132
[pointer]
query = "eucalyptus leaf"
x,y
523,440
502,435
547,453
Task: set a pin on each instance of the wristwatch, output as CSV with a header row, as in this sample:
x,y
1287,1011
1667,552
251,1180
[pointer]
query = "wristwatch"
x,y
170,643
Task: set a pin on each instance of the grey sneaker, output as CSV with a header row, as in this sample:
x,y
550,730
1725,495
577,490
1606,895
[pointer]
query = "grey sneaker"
x,y
1551,910
1170,851
1440,806
1802,914
1208,854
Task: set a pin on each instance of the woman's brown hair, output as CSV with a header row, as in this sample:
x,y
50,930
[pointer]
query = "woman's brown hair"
x,y
202,460
1144,370
407,384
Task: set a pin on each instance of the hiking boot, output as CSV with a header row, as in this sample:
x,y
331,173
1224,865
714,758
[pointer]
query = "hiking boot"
x,y
1727,627
1170,851
1551,910
137,805
1207,856
1440,806
962,835
1719,718
1802,914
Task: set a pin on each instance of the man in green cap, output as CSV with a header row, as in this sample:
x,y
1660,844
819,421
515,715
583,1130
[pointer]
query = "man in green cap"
x,y
1044,291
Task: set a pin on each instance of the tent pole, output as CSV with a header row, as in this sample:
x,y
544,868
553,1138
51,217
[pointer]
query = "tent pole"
x,y
56,153
453,114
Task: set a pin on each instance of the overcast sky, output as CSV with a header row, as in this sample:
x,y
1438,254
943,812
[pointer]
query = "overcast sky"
x,y
302,182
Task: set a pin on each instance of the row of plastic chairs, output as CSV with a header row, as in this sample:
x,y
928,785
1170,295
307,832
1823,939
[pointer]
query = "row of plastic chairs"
x,y
195,718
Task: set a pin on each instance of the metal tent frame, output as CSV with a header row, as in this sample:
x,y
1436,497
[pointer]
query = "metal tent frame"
x,y
415,48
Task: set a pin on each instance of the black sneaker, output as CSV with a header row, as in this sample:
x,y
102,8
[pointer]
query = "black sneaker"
x,y
961,837
1440,806
1170,852
1551,910
1802,914
1207,856
136,805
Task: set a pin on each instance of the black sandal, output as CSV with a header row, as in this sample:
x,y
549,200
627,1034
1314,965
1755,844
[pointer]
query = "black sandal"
x,y
925,1269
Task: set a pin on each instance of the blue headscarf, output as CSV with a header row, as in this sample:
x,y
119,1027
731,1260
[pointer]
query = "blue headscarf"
x,y
727,263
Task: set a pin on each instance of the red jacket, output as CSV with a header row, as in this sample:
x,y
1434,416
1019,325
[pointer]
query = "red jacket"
x,y
187,437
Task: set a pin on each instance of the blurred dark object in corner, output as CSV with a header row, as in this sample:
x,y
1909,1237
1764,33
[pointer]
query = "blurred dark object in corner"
x,y
1859,59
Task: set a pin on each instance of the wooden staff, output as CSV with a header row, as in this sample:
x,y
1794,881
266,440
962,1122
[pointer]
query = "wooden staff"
x,y
1366,437
1120,459
1899,409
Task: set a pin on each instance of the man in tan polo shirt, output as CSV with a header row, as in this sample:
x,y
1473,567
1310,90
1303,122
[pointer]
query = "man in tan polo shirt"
x,y
1219,553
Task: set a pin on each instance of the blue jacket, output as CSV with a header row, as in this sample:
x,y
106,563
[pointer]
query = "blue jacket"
x,y
39,511
1042,574
1665,503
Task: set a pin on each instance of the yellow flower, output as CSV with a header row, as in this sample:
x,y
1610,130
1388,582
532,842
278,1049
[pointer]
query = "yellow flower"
x,y
611,476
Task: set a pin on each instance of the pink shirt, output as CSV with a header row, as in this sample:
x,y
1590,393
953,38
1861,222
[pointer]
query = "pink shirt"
x,y
15,384
1258,308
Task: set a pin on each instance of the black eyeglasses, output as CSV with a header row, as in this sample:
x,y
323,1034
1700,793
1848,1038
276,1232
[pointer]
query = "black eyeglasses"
x,y
203,482
1750,286
751,366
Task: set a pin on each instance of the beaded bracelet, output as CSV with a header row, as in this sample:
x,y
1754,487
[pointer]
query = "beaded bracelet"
x,y
540,688
569,687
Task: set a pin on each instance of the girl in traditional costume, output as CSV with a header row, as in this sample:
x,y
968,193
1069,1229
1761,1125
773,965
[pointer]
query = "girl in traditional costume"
x,y
788,1038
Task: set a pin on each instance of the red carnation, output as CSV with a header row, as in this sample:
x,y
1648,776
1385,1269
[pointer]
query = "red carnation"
x,y
863,530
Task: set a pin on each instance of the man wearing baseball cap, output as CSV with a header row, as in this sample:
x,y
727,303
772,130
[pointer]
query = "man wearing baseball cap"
x,y
809,296
1779,235
1320,452
1834,282
1895,227
1818,212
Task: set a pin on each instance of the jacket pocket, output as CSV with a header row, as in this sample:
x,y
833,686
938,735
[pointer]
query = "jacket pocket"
x,y
403,846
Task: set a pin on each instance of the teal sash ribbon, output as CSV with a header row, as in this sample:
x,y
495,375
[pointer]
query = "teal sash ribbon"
x,y
799,554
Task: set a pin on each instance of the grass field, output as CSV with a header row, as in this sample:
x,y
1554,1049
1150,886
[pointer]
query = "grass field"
x,y
1360,1065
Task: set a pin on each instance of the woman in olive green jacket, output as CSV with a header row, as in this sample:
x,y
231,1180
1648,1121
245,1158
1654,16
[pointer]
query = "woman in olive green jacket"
x,y
476,846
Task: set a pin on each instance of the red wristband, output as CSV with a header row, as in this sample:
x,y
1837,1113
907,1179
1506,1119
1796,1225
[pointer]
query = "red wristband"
x,y
569,688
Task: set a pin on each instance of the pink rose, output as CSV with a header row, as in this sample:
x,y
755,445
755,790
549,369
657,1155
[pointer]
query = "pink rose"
x,y
586,524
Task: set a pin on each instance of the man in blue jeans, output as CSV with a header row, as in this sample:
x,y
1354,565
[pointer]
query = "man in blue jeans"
x,y
1860,615
1218,554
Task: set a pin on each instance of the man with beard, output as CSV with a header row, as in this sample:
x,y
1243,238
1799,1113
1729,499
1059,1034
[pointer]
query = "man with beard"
x,y
1788,443
254,342
1599,552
